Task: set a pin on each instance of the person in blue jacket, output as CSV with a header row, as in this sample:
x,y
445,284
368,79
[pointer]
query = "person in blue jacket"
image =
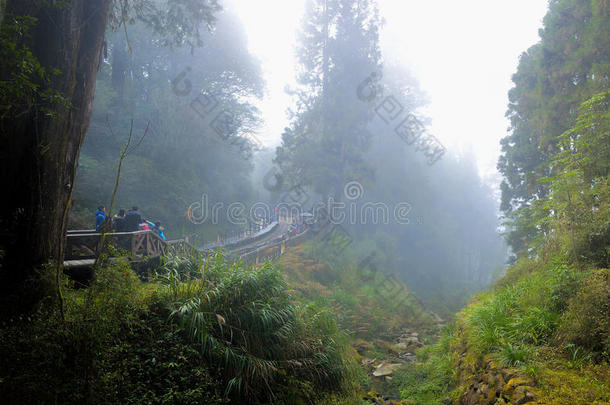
x,y
100,217
156,226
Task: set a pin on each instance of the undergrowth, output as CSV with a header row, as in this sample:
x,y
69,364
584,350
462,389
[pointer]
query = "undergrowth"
x,y
431,380
549,319
204,332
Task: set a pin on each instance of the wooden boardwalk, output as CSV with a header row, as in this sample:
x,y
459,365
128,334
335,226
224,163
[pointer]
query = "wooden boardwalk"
x,y
82,245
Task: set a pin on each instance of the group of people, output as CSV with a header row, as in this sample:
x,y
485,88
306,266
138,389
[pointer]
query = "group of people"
x,y
129,221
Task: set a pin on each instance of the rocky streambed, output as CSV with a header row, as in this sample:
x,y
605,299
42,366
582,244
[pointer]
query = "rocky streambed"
x,y
395,353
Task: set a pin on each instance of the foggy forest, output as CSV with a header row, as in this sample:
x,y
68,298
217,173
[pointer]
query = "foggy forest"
x,y
305,202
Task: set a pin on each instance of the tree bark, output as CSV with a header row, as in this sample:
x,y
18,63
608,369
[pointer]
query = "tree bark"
x,y
39,152
119,67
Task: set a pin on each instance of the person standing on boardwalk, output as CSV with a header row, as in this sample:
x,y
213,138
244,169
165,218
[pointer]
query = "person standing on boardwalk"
x,y
118,221
100,217
133,219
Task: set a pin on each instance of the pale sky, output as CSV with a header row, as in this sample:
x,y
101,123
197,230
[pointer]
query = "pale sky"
x,y
463,54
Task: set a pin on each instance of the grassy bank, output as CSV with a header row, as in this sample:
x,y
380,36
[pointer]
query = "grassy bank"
x,y
203,332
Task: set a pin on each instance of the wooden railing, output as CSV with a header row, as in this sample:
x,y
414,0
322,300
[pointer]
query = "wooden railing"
x,y
83,245
271,249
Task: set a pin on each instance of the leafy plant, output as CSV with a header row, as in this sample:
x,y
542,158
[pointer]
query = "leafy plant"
x,y
514,355
243,321
578,356
429,382
586,322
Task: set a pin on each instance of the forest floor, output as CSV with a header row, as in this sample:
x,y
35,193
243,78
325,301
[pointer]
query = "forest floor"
x,y
502,348
384,336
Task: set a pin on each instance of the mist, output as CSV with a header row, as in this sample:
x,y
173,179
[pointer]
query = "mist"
x,y
304,202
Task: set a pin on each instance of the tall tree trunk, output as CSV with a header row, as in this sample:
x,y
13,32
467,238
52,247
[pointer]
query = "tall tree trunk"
x,y
119,67
39,152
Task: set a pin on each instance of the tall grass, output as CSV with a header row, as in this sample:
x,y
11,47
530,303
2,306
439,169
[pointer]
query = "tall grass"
x,y
514,319
244,321
430,381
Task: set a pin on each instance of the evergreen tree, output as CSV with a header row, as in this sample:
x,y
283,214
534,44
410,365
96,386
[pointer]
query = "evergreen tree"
x,y
569,65
183,157
323,147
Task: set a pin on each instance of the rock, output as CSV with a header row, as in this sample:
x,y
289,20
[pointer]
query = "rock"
x,y
522,395
489,379
401,346
367,362
508,373
499,383
408,356
388,346
361,345
473,397
515,382
411,340
385,369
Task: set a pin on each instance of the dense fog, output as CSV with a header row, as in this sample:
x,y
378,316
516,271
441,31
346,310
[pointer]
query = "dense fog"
x,y
305,202
448,241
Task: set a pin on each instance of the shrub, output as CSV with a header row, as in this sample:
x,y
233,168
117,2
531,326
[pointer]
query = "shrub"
x,y
114,346
430,381
42,359
489,321
524,313
523,267
586,323
244,322
154,364
514,355
179,267
534,325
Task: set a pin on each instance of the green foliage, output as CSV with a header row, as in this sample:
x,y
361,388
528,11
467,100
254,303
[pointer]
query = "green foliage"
x,y
524,313
555,195
176,23
176,268
585,325
578,208
367,303
242,320
513,355
324,144
154,364
550,321
98,354
578,357
567,67
518,270
24,81
231,330
430,382
183,157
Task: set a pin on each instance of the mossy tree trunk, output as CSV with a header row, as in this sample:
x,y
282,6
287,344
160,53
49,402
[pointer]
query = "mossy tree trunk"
x,y
39,151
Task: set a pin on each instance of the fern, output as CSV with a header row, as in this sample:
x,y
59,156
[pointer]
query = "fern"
x,y
243,320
